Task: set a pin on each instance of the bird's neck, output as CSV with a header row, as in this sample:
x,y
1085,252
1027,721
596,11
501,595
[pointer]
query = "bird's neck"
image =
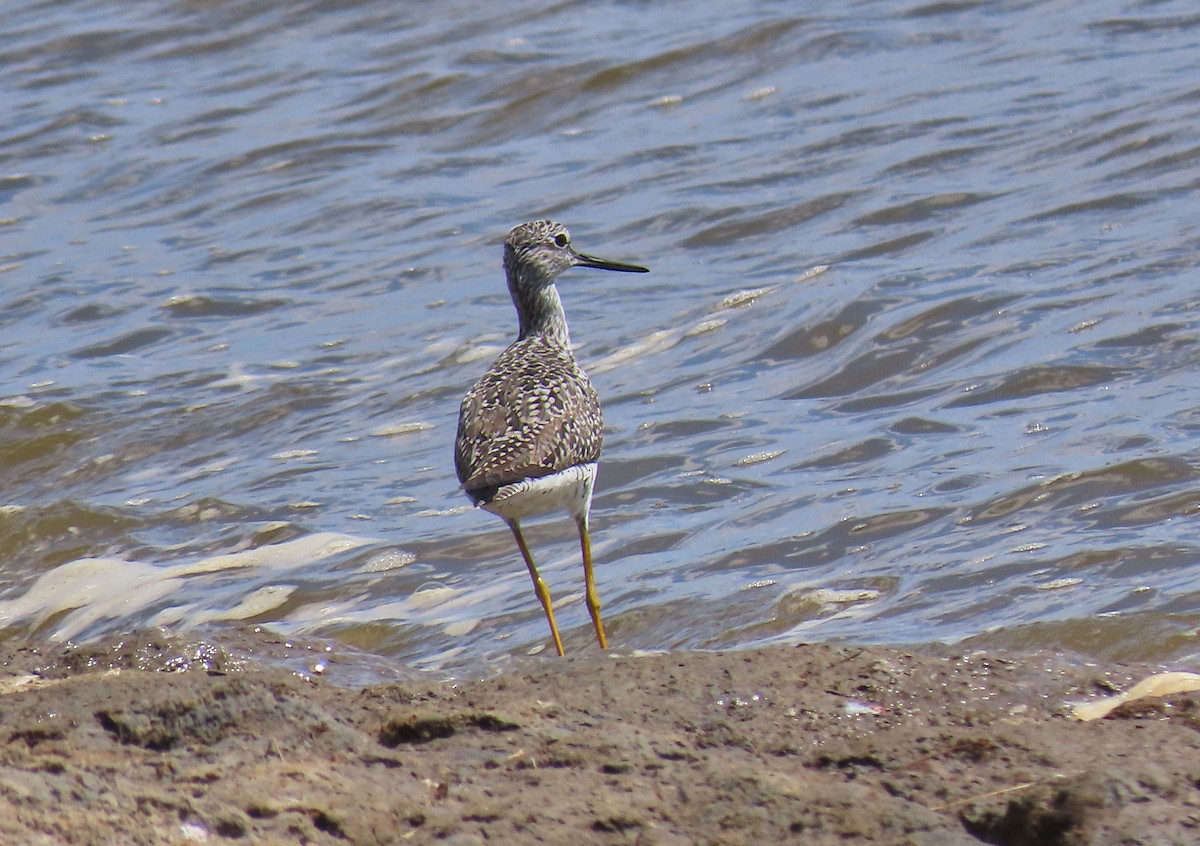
x,y
540,311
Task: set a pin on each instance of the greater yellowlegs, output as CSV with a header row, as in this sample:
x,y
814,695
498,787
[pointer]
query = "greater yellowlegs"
x,y
530,431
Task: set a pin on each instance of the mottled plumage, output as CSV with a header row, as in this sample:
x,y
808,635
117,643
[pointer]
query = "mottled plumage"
x,y
531,429
533,413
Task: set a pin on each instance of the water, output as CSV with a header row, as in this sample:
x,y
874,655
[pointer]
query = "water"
x,y
249,263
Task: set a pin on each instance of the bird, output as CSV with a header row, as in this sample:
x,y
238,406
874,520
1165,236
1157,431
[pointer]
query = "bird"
x,y
531,429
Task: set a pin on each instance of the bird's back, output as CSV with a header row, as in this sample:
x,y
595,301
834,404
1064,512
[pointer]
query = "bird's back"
x,y
532,414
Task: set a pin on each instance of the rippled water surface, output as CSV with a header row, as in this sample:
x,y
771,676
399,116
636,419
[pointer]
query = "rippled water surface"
x,y
916,361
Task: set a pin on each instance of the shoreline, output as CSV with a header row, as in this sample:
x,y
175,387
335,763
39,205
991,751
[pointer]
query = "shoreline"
x,y
809,743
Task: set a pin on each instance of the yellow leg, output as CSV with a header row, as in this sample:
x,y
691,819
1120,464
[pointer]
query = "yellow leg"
x,y
539,586
589,579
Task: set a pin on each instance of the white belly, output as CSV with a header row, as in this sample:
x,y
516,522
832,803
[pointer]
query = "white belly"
x,y
569,490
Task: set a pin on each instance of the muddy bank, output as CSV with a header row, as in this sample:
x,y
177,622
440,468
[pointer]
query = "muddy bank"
x,y
812,744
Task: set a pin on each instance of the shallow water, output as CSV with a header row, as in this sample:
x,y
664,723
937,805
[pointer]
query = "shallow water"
x,y
250,263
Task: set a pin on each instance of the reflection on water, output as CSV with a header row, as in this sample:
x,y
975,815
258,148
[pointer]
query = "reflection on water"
x,y
916,360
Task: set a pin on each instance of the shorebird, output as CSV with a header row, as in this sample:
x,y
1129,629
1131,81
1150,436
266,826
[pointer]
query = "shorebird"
x,y
530,430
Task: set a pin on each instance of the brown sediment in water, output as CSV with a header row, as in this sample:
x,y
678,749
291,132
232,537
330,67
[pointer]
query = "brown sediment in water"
x,y
812,743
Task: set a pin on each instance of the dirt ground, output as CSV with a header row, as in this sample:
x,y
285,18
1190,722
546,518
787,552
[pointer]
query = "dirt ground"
x,y
154,739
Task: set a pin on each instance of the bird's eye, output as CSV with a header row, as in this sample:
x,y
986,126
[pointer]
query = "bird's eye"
x,y
562,239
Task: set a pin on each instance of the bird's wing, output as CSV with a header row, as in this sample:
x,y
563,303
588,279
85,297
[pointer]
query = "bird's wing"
x,y
529,416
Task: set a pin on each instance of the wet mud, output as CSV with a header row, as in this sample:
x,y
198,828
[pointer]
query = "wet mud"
x,y
146,740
